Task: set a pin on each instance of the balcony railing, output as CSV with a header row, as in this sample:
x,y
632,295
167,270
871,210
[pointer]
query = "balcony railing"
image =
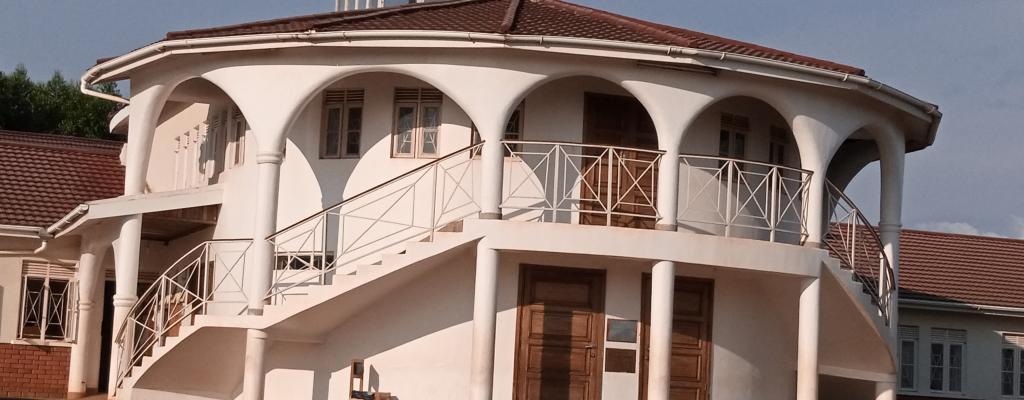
x,y
209,279
855,242
730,197
579,183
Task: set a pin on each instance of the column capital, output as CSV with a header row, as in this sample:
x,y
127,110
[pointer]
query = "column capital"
x,y
270,157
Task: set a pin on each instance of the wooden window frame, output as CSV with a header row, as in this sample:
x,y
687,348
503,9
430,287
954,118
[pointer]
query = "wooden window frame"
x,y
350,99
1017,371
911,363
947,346
419,106
70,303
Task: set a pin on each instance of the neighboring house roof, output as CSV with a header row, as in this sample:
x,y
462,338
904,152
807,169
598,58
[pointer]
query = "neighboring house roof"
x,y
44,176
513,17
975,270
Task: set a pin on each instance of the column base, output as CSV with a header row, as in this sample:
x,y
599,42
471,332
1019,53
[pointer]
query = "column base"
x,y
490,215
666,227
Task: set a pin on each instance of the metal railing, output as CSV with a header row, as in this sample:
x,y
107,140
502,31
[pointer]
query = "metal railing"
x,y
730,197
855,242
580,183
412,206
209,276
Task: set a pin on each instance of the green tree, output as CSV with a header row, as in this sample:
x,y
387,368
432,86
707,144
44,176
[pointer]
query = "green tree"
x,y
53,106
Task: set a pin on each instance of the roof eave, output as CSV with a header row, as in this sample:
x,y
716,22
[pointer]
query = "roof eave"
x,y
119,67
962,307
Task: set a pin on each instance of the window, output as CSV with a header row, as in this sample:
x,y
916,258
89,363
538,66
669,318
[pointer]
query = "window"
x,y
908,357
947,360
732,138
49,302
342,123
237,137
417,122
779,140
1011,374
513,130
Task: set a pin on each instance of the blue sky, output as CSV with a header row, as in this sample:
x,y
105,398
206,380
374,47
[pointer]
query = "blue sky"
x,y
967,56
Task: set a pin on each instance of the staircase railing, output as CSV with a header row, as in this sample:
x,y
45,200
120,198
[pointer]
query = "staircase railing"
x,y
731,197
208,276
412,206
855,242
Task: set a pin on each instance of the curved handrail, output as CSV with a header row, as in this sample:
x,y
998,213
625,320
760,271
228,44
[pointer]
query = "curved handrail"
x,y
183,290
304,244
376,188
864,256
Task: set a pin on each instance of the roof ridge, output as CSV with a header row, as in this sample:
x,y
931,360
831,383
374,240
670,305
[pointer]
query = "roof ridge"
x,y
954,234
510,16
400,9
635,23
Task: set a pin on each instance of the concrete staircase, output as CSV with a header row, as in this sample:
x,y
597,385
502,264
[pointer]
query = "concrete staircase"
x,y
302,317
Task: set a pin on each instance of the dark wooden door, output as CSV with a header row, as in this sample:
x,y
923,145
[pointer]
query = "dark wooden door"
x,y
691,339
561,320
629,177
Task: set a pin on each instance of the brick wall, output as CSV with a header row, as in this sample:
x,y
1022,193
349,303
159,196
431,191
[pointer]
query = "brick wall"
x,y
35,372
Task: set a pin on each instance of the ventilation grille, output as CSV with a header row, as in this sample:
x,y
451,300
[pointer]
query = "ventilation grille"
x,y
344,96
403,95
733,121
43,269
907,332
145,277
949,335
236,113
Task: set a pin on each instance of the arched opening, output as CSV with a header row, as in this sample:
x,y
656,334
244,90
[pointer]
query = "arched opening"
x,y
583,150
740,173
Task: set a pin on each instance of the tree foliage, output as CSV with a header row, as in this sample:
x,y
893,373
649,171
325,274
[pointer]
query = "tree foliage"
x,y
53,106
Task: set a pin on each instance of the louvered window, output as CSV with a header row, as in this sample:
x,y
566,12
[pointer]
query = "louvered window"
x,y
946,360
342,123
417,122
732,137
49,302
1011,371
236,136
908,336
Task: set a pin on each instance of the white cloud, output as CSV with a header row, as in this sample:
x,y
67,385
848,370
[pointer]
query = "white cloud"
x,y
1016,228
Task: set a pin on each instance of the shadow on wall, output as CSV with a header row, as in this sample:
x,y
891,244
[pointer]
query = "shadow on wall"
x,y
417,314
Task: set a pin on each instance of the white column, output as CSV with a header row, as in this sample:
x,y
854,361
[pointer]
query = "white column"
x,y
492,163
267,189
890,221
485,300
668,189
126,266
817,218
808,328
885,391
85,350
663,278
254,377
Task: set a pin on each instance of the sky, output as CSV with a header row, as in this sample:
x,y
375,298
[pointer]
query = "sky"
x,y
967,56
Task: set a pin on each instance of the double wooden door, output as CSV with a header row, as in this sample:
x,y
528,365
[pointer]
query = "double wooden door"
x,y
691,339
560,334
629,178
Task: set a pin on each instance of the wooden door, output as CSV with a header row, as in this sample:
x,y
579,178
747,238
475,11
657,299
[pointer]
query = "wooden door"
x,y
691,339
561,321
629,178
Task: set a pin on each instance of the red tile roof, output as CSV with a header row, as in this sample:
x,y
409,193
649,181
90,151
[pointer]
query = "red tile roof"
x,y
45,176
965,269
514,17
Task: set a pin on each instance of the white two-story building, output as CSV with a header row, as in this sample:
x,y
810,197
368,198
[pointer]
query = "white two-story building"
x,y
492,199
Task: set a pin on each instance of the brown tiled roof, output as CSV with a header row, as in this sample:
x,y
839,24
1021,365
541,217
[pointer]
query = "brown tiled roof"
x,y
965,269
43,176
514,17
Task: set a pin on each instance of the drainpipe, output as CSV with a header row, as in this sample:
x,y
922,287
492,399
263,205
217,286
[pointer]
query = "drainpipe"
x,y
37,233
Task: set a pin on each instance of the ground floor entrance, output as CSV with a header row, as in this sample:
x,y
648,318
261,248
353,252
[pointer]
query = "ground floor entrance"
x,y
691,338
